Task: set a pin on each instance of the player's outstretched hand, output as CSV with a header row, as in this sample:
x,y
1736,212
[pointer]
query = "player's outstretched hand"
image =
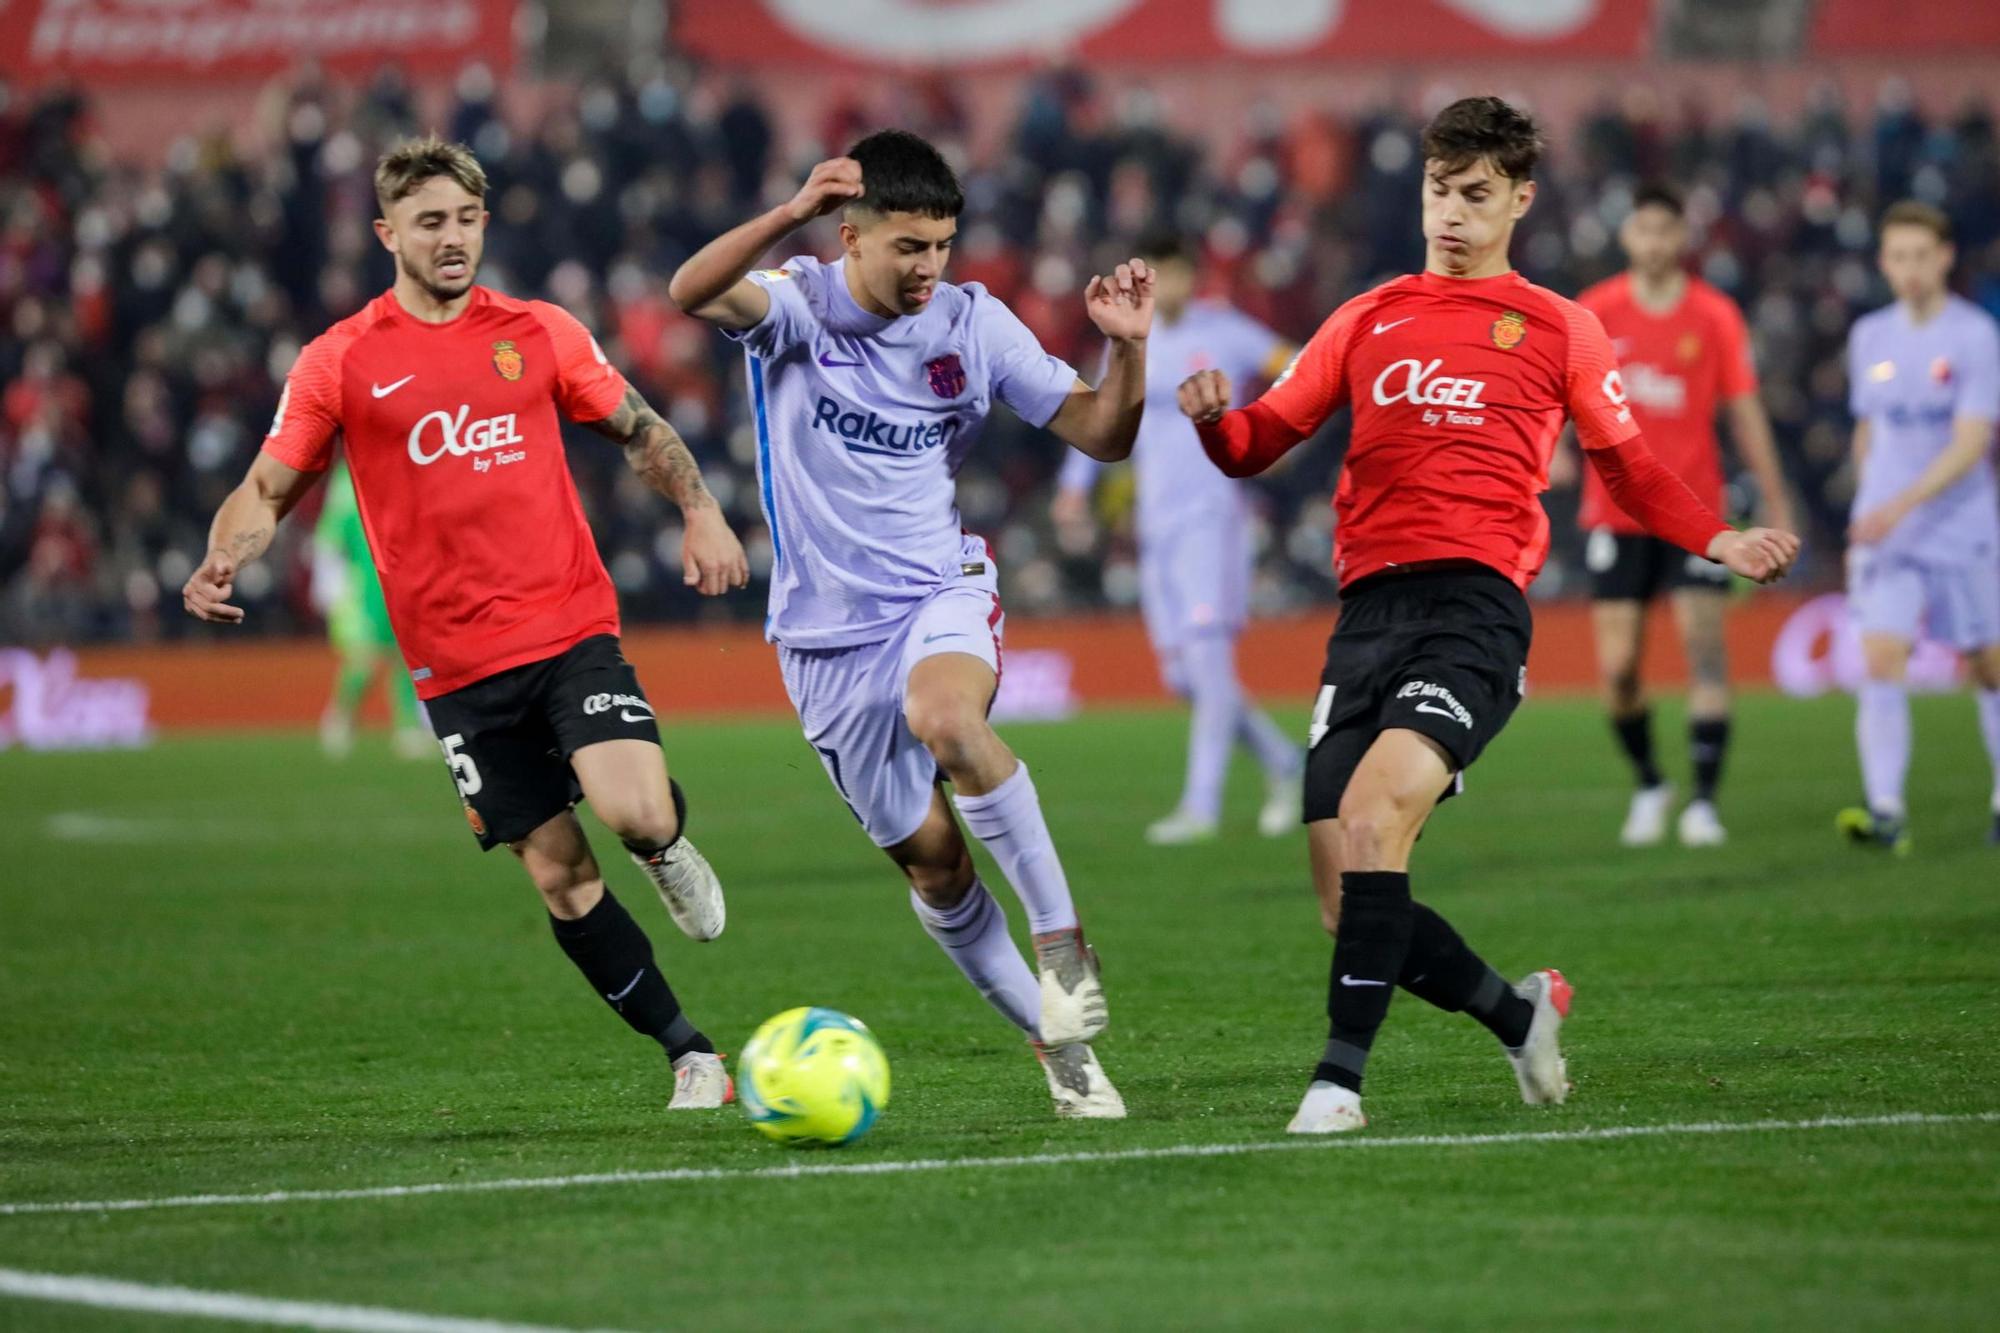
x,y
833,183
206,593
1763,554
1121,306
1204,396
711,558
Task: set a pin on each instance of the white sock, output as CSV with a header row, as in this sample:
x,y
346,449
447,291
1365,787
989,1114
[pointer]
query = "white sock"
x,y
1882,733
1008,820
974,936
1989,727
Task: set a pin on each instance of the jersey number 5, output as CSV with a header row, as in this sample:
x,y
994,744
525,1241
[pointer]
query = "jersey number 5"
x,y
463,771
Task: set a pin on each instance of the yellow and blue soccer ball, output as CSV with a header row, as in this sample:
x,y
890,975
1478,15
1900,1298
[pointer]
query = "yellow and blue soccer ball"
x,y
813,1075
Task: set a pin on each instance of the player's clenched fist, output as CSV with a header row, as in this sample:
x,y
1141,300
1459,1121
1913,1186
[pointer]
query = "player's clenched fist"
x,y
1205,395
1763,554
206,593
833,183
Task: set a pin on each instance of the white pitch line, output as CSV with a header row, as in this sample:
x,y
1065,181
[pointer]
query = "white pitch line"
x,y
798,1170
105,1293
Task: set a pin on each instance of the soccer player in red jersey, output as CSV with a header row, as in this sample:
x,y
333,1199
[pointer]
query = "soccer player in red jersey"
x,y
447,395
1459,378
1683,351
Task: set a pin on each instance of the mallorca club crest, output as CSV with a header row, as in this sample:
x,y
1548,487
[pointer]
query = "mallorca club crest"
x,y
507,360
1509,329
472,818
947,376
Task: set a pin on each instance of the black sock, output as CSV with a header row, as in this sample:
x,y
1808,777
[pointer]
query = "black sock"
x,y
647,851
615,956
1635,735
1708,741
1442,970
1368,955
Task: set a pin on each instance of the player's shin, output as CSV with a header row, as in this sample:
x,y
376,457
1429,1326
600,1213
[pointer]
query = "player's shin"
x,y
615,956
1989,727
1882,734
1218,705
1708,746
1368,960
1009,821
1442,970
973,934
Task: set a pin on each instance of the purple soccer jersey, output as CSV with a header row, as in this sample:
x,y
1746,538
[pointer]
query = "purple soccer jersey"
x,y
1910,383
1178,486
862,425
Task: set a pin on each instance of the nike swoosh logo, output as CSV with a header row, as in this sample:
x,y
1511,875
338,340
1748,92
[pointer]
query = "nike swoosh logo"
x,y
1384,328
628,987
1346,980
831,364
384,390
1428,707
933,638
627,715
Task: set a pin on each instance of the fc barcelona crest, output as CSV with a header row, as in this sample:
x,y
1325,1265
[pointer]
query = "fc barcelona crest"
x,y
947,376
1509,329
507,360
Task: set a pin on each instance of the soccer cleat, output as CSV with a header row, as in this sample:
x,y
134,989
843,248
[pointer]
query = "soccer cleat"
x,y
1538,1062
1328,1108
1700,826
1073,1007
689,888
1870,828
701,1083
1284,806
1179,829
1646,817
1077,1083
336,734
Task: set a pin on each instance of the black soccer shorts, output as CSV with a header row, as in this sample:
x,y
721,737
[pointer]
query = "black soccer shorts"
x,y
1629,568
1440,652
508,738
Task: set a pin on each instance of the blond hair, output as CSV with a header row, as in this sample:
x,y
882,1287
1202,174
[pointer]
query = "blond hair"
x,y
412,162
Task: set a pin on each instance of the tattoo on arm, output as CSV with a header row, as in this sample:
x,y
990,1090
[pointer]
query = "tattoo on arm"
x,y
656,451
248,545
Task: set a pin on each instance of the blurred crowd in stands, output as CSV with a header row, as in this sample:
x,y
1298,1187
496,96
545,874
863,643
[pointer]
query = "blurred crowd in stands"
x,y
148,316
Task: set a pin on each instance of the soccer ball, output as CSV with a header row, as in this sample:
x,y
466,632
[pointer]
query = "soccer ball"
x,y
813,1075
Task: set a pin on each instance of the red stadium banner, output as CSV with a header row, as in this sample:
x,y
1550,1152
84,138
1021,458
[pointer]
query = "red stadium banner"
x,y
962,33
188,40
1872,27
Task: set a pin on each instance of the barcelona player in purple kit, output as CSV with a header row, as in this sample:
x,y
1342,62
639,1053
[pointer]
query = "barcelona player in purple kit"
x,y
870,379
1195,555
1924,386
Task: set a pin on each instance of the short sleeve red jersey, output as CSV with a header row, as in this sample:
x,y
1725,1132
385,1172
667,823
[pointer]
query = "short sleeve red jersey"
x,y
457,455
1679,368
1459,389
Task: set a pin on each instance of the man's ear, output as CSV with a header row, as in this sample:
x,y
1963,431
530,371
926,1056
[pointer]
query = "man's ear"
x,y
1524,197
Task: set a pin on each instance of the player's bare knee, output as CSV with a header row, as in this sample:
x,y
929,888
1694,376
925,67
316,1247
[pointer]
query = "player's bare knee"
x,y
949,729
1623,691
941,886
1376,829
642,821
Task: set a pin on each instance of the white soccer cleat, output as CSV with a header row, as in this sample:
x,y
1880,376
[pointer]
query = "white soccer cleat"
x,y
1077,1083
701,1083
1284,806
1700,826
689,888
1539,1066
1646,818
1328,1108
1179,829
1073,1007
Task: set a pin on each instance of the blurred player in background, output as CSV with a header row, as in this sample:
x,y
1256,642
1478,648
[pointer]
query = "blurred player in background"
x,y
1459,378
348,592
1684,351
1195,554
446,395
871,379
1924,387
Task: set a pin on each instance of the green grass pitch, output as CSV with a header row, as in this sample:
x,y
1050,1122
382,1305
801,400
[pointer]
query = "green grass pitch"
x,y
229,966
